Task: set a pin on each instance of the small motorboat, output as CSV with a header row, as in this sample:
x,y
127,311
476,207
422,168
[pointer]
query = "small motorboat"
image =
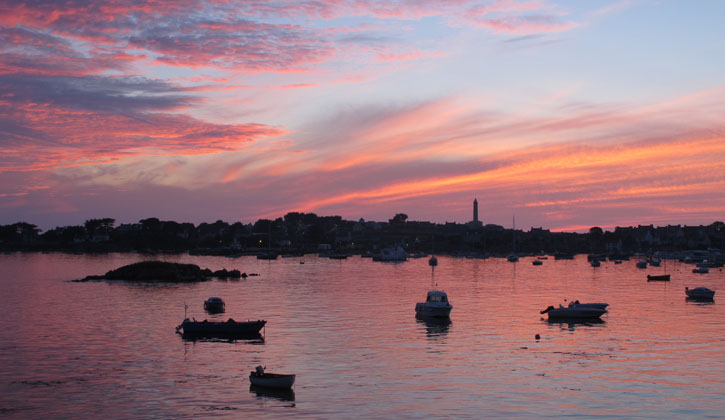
x,y
436,305
576,311
512,258
214,305
258,377
701,270
591,305
660,277
700,293
642,264
537,262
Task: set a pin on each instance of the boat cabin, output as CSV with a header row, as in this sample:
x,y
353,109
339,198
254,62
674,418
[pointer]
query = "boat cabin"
x,y
436,296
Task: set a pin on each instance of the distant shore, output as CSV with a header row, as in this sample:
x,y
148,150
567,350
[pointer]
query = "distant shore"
x,y
300,233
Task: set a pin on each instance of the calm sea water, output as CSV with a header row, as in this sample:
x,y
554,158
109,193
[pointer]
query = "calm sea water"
x,y
347,329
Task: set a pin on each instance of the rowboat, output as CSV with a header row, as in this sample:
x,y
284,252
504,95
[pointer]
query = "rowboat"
x,y
661,277
258,377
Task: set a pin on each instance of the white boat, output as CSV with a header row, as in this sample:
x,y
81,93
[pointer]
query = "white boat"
x,y
391,254
214,305
576,311
436,305
258,377
700,293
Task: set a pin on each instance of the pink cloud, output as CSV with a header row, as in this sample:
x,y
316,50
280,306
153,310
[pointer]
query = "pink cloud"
x,y
526,24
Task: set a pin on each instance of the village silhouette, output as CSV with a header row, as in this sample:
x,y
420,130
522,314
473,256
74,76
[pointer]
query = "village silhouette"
x,y
301,233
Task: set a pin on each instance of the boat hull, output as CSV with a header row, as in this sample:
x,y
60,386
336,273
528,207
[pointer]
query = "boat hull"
x,y
700,293
579,312
593,305
432,311
214,307
272,380
662,277
229,327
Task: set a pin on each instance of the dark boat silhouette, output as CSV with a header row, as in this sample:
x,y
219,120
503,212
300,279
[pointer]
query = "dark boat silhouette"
x,y
229,328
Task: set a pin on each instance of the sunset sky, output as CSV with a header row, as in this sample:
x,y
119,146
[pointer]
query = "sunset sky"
x,y
566,114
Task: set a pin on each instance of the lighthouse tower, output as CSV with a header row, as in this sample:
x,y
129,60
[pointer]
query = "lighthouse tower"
x,y
475,223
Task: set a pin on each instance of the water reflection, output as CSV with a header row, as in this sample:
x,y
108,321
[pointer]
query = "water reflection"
x,y
572,323
277,394
435,327
359,357
223,337
700,301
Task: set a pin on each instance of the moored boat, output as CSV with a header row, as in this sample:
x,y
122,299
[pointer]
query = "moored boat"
x,y
391,255
229,327
701,270
214,305
537,262
642,264
436,305
660,277
601,305
576,311
700,293
258,377
267,255
433,261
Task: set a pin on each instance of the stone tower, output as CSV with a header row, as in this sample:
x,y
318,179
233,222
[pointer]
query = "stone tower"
x,y
475,210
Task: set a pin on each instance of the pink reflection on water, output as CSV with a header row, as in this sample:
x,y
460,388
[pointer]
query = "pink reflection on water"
x,y
348,330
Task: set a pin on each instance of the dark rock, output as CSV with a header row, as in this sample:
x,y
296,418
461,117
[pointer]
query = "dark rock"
x,y
155,271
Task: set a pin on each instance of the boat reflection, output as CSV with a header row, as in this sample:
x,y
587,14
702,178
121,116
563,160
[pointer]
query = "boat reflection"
x,y
435,327
700,301
572,323
277,394
255,338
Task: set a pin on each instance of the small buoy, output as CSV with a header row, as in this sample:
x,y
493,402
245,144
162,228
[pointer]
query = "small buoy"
x,y
537,336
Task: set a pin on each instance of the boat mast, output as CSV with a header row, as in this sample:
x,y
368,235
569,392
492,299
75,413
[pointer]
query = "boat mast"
x,y
513,234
